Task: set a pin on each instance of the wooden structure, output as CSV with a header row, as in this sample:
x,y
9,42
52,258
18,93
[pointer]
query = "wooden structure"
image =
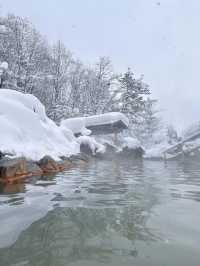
x,y
108,128
177,149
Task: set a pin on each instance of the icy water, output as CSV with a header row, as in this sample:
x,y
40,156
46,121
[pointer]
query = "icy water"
x,y
108,212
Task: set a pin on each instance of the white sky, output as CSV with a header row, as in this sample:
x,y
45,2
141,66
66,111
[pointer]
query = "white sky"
x,y
157,38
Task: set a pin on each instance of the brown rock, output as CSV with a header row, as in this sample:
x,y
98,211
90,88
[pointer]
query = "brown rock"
x,y
79,157
48,165
33,168
64,164
12,169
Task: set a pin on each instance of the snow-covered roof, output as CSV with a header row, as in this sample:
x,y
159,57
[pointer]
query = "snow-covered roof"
x,y
81,124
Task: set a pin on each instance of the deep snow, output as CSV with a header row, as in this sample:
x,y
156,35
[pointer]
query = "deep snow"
x,y
27,131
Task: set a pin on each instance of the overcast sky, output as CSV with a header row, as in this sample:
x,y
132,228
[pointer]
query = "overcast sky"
x,y
159,39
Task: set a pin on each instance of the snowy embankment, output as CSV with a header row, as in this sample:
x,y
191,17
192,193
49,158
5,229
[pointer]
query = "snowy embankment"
x,y
27,131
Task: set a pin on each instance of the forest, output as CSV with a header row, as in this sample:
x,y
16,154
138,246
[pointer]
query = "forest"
x,y
69,88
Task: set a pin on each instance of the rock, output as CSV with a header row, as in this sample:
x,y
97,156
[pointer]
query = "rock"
x,y
136,153
64,164
13,169
33,168
79,157
48,165
1,155
86,149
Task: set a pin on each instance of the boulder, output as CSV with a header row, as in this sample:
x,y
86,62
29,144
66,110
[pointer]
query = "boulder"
x,y
81,157
11,169
1,155
136,153
64,164
86,149
48,165
33,168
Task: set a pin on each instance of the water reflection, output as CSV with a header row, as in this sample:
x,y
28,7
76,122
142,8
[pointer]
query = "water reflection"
x,y
96,213
184,177
67,235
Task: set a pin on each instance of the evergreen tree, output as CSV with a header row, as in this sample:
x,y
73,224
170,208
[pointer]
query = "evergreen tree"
x,y
172,135
150,123
132,92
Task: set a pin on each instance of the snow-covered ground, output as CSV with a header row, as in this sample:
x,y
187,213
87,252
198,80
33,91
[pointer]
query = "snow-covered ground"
x,y
27,131
131,143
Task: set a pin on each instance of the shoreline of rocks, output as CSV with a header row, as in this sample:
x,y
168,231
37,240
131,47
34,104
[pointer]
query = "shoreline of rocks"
x,y
18,169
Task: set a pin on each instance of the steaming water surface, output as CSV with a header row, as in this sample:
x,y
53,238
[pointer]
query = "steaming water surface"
x,y
107,212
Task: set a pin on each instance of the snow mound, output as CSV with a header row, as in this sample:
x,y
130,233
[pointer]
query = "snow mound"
x,y
79,125
156,152
131,143
4,65
27,131
94,146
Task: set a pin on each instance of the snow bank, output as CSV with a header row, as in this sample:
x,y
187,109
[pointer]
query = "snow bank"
x,y
79,125
94,146
27,131
156,152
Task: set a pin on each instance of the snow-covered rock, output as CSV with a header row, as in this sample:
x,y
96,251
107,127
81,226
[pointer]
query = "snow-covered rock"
x,y
93,146
131,143
27,131
156,151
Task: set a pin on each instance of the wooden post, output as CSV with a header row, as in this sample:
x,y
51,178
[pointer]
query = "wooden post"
x,y
116,138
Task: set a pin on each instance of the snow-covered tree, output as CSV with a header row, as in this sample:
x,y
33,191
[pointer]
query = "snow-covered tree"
x,y
62,83
61,60
172,135
131,101
3,73
26,52
150,123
